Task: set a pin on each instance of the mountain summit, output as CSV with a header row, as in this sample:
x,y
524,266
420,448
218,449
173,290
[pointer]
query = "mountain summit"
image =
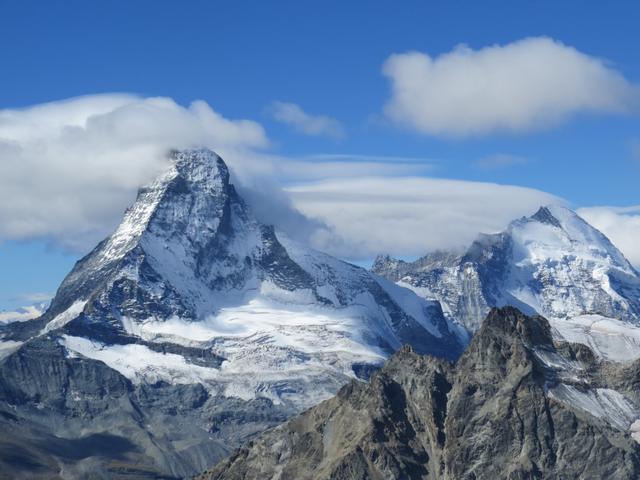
x,y
190,265
192,327
552,263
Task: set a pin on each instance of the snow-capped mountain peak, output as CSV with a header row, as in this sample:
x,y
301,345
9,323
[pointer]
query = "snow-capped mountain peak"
x,y
172,225
556,232
191,266
551,263
193,305
199,177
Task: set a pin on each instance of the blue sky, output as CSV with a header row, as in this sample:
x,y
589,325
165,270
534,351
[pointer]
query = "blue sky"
x,y
326,57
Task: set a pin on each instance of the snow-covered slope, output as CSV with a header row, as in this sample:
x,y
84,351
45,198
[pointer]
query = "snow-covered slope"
x,y
608,337
552,263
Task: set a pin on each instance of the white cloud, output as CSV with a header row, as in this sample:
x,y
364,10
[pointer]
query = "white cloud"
x,y
69,169
21,314
318,125
410,216
263,176
620,224
521,86
500,160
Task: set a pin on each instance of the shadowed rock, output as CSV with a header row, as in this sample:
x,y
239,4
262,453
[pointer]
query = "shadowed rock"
x,y
499,412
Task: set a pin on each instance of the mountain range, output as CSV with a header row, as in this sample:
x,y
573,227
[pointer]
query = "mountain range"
x,y
194,327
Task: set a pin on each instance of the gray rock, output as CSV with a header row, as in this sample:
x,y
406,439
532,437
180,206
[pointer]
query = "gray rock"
x,y
74,416
490,415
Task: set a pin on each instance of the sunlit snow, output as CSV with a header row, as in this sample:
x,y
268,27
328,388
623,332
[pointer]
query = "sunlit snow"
x,y
609,338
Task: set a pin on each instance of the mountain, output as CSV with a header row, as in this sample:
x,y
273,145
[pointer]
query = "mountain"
x,y
188,330
514,406
552,263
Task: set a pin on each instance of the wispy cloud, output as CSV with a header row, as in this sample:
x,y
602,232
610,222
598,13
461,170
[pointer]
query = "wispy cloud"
x,y
500,160
522,86
318,125
69,169
409,215
20,315
355,157
323,166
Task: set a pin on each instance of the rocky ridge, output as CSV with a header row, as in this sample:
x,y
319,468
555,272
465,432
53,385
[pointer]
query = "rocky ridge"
x,y
516,405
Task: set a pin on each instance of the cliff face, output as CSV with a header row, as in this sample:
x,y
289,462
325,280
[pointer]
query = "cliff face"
x,y
515,405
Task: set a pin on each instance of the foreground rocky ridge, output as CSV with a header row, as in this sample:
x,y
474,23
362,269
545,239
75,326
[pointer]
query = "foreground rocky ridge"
x,y
515,406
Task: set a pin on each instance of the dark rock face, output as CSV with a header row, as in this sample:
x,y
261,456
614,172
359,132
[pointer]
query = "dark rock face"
x,y
496,413
78,416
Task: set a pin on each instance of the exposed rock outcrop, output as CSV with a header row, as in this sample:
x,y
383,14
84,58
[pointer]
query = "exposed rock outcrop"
x,y
514,406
